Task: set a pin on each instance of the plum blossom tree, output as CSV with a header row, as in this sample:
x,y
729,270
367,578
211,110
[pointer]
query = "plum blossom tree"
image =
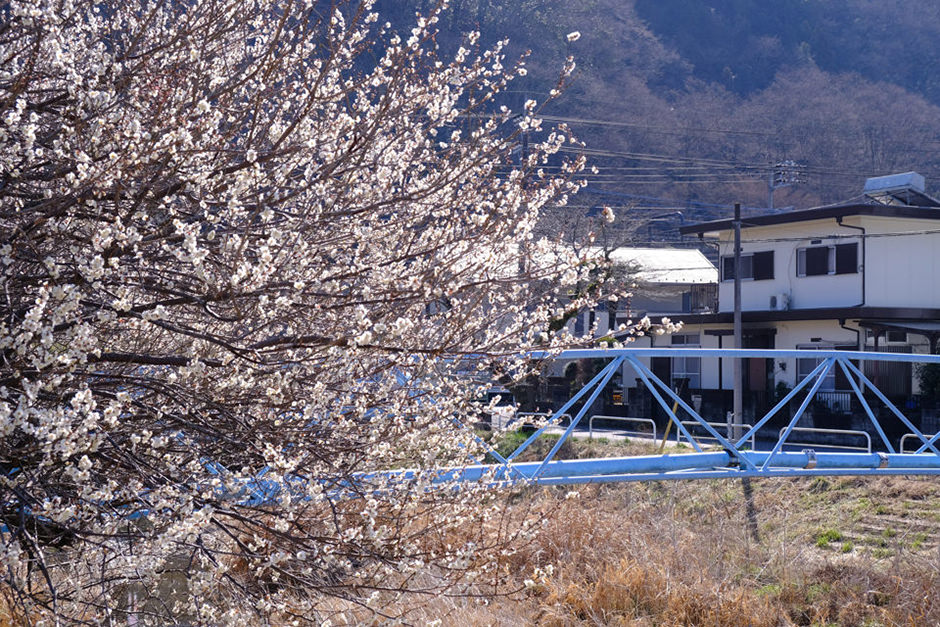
x,y
248,252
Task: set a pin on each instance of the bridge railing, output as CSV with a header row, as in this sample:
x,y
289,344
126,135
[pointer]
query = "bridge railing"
x,y
839,433
731,460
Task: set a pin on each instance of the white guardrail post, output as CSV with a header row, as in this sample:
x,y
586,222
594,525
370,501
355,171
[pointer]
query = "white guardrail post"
x,y
912,436
863,434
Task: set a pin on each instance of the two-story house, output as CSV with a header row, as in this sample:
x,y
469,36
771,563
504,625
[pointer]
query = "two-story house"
x,y
859,275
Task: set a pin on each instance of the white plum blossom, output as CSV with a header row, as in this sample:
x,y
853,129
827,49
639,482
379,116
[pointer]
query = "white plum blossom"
x,y
245,259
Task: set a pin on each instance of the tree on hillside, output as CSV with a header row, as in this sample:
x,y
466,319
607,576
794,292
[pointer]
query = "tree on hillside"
x,y
249,252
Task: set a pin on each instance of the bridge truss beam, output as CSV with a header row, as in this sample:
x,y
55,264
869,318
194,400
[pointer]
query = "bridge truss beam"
x,y
731,459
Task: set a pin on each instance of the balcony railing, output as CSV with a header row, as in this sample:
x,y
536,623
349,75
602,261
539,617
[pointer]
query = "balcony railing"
x,y
836,402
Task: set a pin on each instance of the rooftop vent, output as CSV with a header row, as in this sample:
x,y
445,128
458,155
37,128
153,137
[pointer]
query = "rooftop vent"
x,y
905,190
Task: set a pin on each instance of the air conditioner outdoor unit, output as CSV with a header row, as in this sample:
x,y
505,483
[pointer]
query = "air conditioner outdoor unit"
x,y
780,302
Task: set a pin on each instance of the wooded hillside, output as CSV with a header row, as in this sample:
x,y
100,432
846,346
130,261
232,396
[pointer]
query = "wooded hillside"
x,y
686,105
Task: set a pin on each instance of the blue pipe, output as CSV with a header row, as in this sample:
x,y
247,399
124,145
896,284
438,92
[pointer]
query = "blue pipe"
x,y
861,397
799,412
731,474
658,466
783,403
610,369
558,414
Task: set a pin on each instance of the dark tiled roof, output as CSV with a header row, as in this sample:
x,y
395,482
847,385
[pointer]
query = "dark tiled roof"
x,y
817,213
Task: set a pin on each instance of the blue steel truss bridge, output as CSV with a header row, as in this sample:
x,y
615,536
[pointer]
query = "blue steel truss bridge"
x,y
715,455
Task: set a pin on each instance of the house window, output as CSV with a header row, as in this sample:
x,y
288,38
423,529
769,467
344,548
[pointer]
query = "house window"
x,y
893,337
686,339
700,298
755,266
820,260
836,379
805,367
686,371
896,336
846,258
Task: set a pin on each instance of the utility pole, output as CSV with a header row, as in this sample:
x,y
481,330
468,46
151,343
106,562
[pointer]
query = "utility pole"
x,y
738,418
737,379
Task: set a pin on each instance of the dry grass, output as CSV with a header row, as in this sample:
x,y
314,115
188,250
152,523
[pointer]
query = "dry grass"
x,y
679,554
10,614
837,551
849,551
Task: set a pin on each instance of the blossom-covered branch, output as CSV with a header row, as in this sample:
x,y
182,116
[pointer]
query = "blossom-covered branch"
x,y
254,243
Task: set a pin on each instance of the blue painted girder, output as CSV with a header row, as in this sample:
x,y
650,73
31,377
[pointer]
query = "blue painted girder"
x,y
709,465
729,462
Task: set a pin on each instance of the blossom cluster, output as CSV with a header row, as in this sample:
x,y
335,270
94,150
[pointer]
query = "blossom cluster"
x,y
247,252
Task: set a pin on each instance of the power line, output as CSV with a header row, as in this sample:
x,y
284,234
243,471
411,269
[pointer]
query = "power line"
x,y
657,129
839,236
680,207
685,161
717,163
681,204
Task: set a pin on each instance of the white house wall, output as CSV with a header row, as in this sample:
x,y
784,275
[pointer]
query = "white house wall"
x,y
899,263
801,333
784,240
789,335
901,257
902,271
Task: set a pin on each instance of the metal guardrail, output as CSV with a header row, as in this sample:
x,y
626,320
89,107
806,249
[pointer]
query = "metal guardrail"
x,y
718,425
645,421
863,434
912,436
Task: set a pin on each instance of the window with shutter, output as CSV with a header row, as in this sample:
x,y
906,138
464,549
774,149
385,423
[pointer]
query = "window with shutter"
x,y
820,260
755,266
847,258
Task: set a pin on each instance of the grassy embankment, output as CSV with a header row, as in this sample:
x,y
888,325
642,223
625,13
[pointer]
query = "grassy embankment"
x,y
831,551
